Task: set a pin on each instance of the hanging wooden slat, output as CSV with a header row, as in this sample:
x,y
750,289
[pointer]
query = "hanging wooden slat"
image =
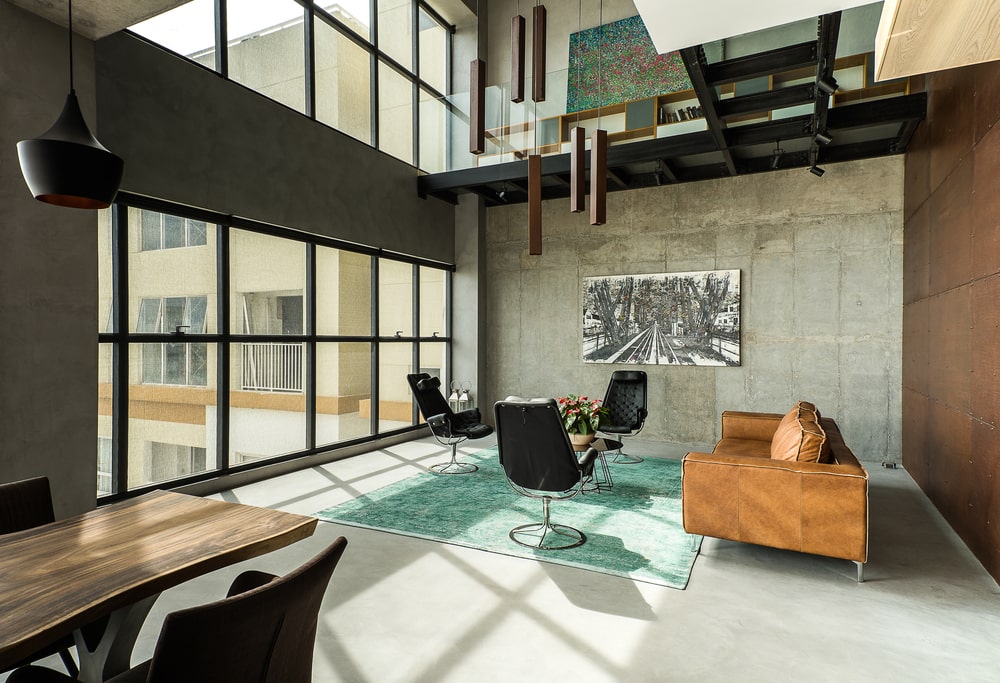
x,y
517,25
538,53
599,177
577,169
535,204
477,107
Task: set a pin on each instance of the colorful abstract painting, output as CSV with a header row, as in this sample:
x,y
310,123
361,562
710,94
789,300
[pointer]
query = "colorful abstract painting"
x,y
617,62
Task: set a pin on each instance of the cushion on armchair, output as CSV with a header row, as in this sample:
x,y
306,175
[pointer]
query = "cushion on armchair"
x,y
799,436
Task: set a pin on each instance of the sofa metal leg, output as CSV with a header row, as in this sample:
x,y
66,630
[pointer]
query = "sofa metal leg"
x,y
861,571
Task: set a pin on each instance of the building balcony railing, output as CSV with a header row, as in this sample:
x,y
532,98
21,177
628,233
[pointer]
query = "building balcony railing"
x,y
272,366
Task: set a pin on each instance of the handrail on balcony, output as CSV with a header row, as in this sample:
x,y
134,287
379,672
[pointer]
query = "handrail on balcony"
x,y
272,366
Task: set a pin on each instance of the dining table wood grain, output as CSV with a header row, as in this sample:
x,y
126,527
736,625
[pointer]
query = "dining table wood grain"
x,y
58,577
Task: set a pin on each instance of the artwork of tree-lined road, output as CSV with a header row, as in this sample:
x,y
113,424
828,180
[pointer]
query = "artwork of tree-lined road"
x,y
663,319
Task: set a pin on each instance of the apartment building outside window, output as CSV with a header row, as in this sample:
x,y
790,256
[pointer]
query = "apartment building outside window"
x,y
313,353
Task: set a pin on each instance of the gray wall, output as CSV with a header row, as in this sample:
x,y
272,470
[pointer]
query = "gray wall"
x,y
48,278
189,136
821,264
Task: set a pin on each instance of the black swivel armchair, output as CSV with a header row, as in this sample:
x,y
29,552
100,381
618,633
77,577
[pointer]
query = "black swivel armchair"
x,y
538,461
448,427
626,404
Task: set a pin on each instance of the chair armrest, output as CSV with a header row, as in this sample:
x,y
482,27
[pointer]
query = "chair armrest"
x,y
743,425
438,420
587,461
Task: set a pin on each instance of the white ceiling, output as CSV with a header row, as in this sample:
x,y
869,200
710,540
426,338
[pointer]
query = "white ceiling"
x,y
672,24
95,19
675,24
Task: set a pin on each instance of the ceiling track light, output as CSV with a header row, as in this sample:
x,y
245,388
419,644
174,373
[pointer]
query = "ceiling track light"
x,y
66,165
776,155
827,85
817,171
823,138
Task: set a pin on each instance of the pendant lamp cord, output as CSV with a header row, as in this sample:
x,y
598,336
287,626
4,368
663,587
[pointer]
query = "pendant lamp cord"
x,y
579,59
70,4
600,65
534,102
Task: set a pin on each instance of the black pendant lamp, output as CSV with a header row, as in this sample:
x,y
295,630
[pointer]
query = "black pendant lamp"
x,y
66,165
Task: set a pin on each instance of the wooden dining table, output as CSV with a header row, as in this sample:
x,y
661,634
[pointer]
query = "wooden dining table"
x,y
115,561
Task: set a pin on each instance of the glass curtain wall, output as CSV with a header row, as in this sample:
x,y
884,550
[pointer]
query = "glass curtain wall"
x,y
366,83
310,339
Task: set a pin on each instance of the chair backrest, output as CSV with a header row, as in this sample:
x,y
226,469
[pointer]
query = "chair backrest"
x,y
535,451
427,392
626,399
264,635
25,504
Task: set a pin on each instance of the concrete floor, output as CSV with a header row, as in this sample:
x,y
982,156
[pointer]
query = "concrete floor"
x,y
406,610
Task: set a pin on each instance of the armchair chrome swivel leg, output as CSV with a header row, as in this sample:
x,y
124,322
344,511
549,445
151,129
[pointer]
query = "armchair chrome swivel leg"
x,y
454,466
625,459
537,535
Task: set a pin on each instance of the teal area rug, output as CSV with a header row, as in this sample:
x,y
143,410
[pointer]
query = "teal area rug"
x,y
633,530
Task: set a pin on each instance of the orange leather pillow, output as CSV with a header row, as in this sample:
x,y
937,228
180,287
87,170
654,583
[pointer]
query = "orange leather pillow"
x,y
799,435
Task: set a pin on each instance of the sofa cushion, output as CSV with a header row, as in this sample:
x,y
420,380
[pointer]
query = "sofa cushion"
x,y
746,447
799,436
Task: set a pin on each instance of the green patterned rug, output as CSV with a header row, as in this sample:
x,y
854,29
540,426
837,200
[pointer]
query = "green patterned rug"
x,y
633,530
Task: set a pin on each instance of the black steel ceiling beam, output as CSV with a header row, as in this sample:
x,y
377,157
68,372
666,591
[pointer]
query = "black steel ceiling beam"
x,y
906,110
666,170
767,101
620,177
828,32
906,132
697,65
858,150
487,193
770,131
554,165
799,56
866,114
761,164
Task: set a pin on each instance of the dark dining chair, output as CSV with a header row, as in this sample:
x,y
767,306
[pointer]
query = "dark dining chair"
x,y
27,504
626,401
263,631
448,427
538,461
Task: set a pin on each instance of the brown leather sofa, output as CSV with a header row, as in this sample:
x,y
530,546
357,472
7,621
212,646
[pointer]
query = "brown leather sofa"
x,y
760,485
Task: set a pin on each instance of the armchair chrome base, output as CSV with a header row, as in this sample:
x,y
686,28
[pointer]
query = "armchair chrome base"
x,y
453,467
539,532
552,536
626,459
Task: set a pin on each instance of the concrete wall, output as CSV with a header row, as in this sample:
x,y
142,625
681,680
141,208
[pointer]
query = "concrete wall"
x,y
821,263
951,350
48,277
189,136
